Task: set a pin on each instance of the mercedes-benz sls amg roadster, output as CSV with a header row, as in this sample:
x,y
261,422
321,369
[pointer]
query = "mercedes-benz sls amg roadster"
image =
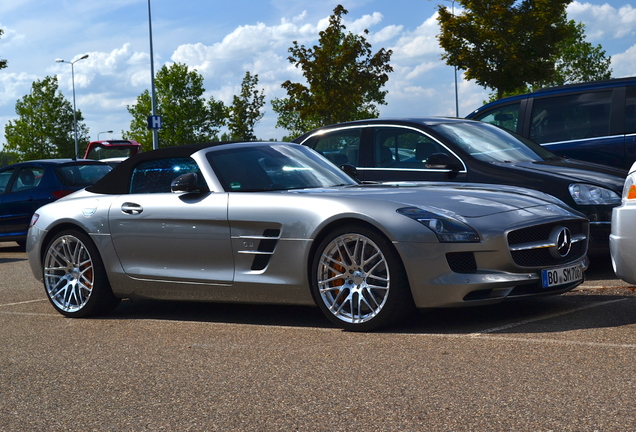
x,y
279,223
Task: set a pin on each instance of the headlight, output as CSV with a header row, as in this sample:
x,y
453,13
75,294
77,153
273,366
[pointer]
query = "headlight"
x,y
447,229
584,194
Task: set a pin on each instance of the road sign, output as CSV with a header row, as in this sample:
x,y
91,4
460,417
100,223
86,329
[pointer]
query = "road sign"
x,y
154,122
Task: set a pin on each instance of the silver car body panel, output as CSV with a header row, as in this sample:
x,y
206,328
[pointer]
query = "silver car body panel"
x,y
623,235
257,247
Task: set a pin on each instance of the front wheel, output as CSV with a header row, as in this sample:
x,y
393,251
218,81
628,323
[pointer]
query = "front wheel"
x,y
74,277
358,280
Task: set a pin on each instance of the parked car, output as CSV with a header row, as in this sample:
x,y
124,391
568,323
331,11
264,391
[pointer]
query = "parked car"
x,y
623,236
26,186
115,150
278,223
594,121
459,150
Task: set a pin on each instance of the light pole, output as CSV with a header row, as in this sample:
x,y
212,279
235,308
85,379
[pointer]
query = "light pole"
x,y
74,109
452,2
98,133
455,68
153,94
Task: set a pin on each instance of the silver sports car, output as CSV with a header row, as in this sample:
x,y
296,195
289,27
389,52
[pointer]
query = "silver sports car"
x,y
278,223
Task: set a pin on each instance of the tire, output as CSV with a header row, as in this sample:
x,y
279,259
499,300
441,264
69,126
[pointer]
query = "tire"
x,y
75,281
358,280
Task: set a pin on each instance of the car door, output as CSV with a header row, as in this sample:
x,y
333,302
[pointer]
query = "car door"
x,y
178,237
21,199
5,181
578,125
401,153
630,126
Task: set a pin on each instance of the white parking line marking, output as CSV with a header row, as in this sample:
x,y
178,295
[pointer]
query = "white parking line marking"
x,y
556,341
543,317
24,302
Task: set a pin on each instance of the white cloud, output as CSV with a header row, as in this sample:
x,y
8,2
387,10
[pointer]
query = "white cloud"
x,y
624,64
604,21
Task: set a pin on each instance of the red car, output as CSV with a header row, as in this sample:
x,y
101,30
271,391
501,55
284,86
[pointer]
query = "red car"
x,y
112,149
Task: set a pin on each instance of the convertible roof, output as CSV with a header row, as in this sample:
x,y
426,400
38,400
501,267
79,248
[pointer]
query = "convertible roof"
x,y
118,180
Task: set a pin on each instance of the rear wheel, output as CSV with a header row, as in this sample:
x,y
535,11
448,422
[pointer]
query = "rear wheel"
x,y
358,280
74,277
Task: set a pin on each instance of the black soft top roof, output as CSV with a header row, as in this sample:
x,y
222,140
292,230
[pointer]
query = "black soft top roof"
x,y
118,180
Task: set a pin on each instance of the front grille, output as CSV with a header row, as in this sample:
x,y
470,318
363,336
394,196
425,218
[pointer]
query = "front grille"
x,y
541,256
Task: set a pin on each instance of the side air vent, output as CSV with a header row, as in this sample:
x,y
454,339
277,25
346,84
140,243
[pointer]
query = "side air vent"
x,y
265,249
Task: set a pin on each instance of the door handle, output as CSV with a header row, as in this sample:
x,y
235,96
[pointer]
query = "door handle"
x,y
131,208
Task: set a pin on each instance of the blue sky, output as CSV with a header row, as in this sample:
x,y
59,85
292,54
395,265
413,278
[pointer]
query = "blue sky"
x,y
222,40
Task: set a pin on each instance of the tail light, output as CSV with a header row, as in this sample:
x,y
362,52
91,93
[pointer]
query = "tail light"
x,y
61,193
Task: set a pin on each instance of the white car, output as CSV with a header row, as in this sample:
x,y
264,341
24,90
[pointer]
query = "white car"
x,y
623,236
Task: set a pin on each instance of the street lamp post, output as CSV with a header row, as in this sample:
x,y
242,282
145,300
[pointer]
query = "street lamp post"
x,y
98,133
452,2
74,108
455,68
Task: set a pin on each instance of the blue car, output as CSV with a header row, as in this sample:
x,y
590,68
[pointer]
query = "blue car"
x,y
594,122
27,186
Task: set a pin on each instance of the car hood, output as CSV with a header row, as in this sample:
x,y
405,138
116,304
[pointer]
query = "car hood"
x,y
575,171
466,200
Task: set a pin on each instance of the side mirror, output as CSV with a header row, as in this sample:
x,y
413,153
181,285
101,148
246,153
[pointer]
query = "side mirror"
x,y
441,161
186,183
350,170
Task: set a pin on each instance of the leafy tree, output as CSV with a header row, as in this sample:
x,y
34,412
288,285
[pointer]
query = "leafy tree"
x,y
186,116
6,158
576,61
245,110
3,63
344,80
504,44
45,127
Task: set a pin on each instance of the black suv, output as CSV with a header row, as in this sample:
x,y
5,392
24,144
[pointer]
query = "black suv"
x,y
594,121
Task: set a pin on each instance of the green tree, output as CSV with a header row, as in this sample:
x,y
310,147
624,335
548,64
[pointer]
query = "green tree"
x,y
504,45
344,80
6,158
576,61
186,116
3,63
45,127
245,110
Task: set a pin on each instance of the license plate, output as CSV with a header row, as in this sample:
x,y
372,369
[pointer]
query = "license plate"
x,y
562,275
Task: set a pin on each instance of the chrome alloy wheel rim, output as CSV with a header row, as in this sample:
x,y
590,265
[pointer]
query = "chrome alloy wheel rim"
x,y
69,275
353,278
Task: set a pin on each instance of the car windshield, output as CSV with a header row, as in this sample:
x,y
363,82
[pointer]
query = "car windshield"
x,y
81,175
274,167
490,143
103,152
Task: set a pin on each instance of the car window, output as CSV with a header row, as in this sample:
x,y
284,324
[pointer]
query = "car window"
x,y
265,168
27,178
489,143
80,175
571,117
630,110
340,146
506,116
156,176
396,147
5,176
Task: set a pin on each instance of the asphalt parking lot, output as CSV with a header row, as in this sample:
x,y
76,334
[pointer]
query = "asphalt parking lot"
x,y
565,363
